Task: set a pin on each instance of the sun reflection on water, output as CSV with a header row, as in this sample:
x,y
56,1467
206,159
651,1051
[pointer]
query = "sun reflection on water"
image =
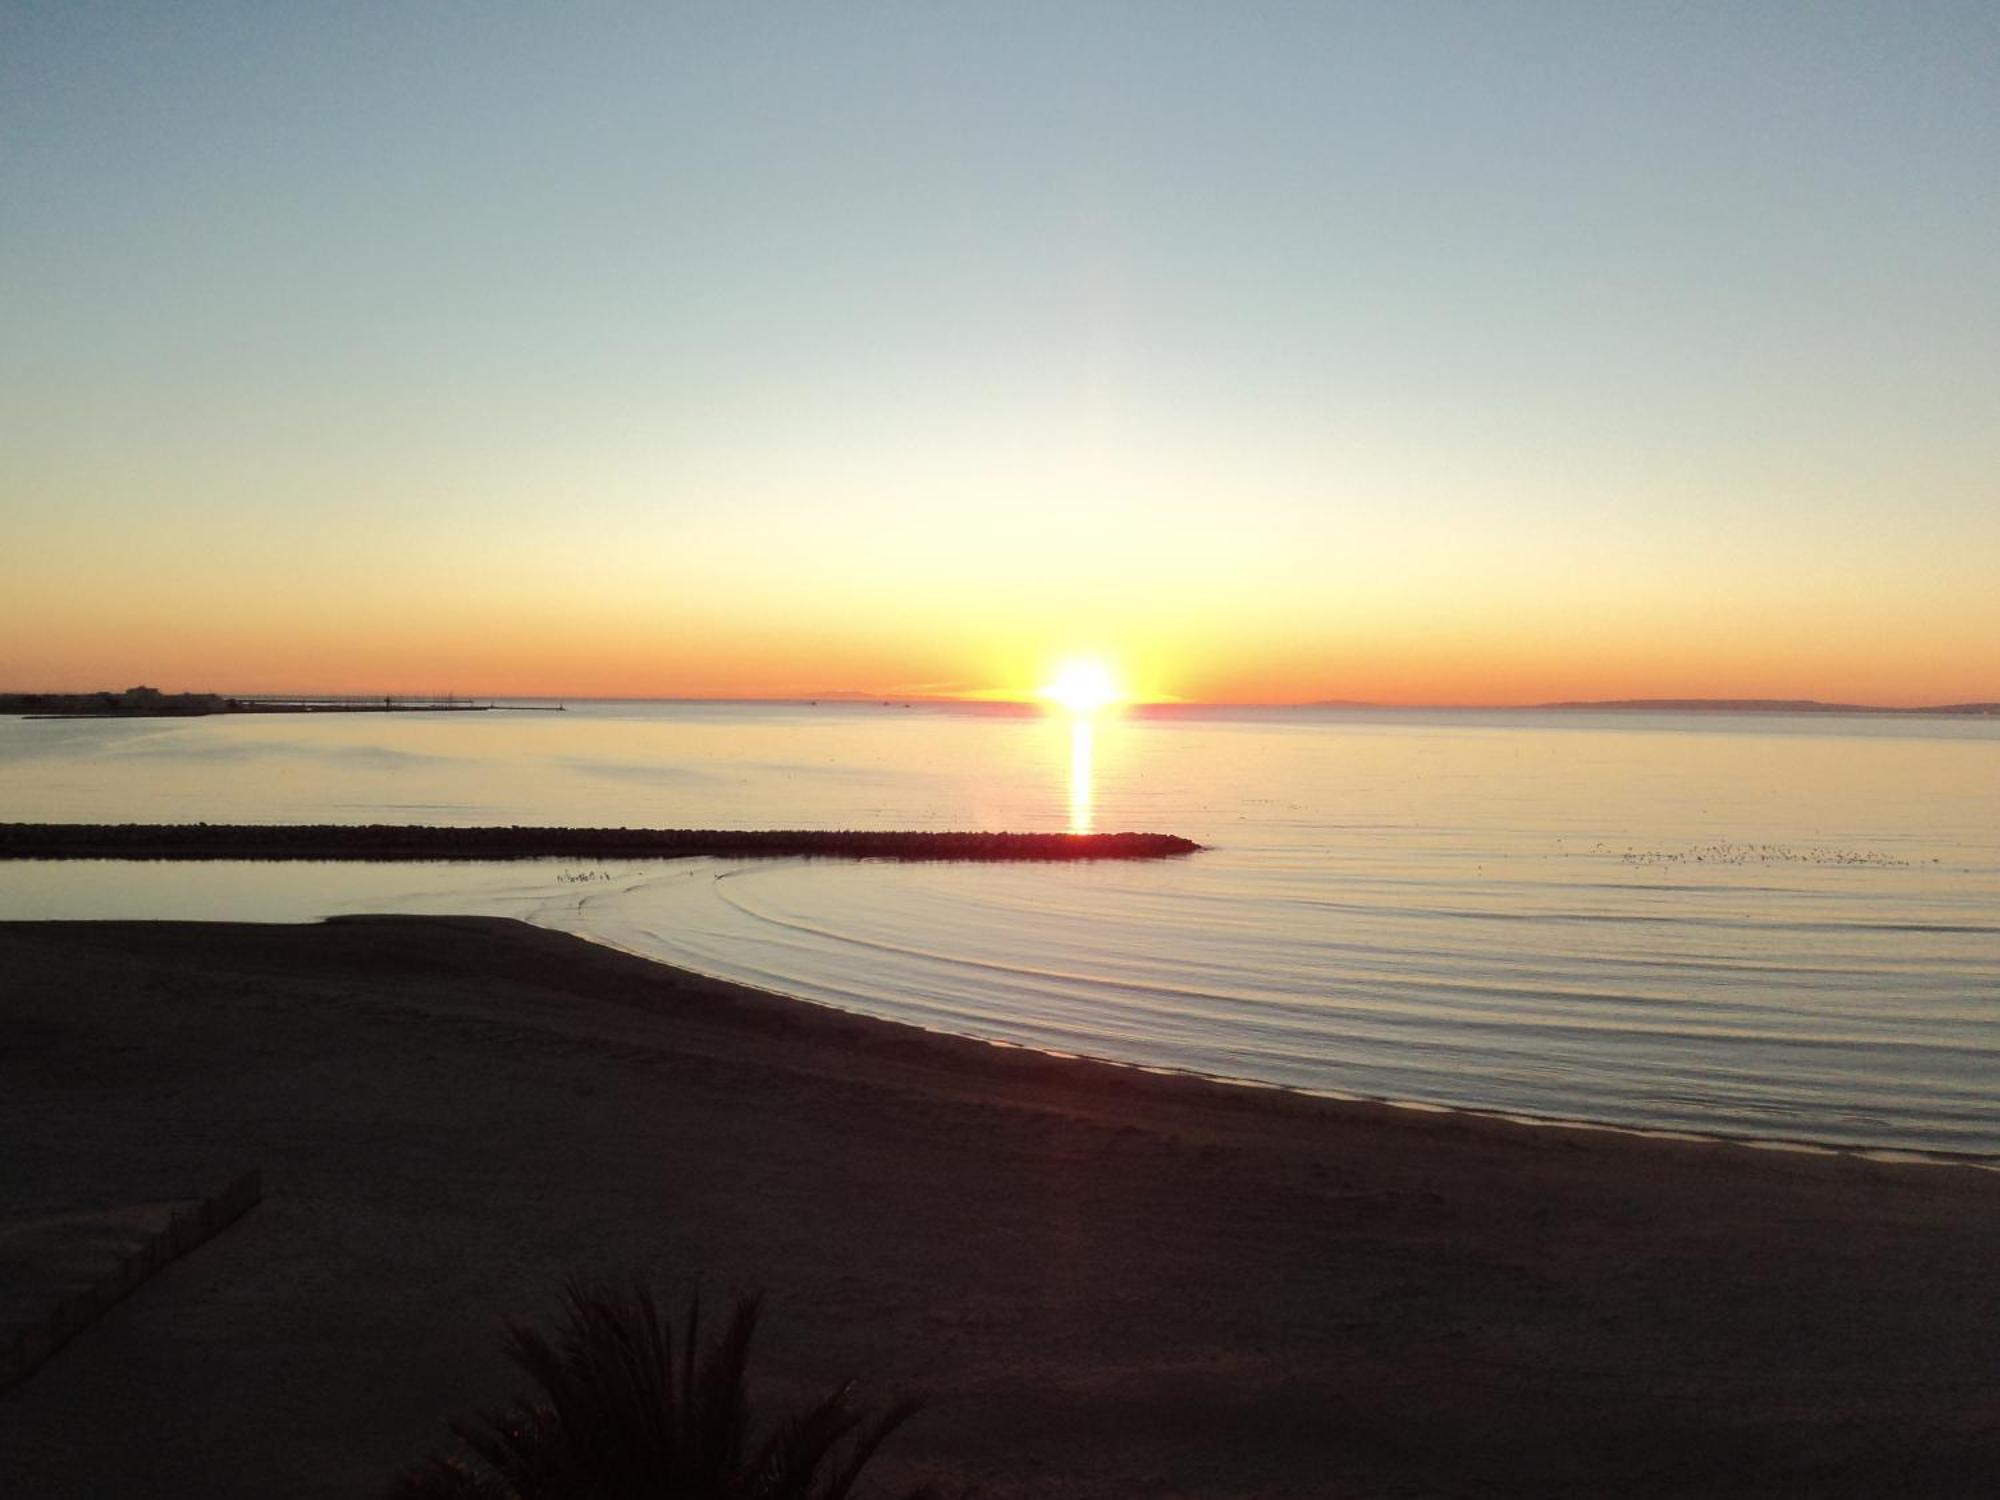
x,y
1081,735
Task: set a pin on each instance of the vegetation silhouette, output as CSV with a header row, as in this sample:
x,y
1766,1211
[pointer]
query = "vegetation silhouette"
x,y
623,1416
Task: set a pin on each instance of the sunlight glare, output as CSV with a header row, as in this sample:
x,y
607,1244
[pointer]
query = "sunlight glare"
x,y
1084,685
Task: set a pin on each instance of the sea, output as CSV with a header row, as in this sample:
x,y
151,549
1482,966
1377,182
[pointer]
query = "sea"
x,y
1783,928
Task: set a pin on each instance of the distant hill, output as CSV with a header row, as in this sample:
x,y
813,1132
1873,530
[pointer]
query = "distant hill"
x,y
1765,706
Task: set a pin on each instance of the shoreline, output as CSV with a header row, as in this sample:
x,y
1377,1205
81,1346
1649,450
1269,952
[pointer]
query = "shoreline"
x,y
1521,1119
1113,1280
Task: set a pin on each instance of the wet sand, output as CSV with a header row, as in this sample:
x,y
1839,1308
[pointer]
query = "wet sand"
x,y
1112,1283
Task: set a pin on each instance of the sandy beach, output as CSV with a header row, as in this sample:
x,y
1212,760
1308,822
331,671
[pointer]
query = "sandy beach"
x,y
1112,1283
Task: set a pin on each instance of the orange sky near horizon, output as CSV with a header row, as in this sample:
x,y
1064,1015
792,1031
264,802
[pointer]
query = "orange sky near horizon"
x,y
1394,585
1207,651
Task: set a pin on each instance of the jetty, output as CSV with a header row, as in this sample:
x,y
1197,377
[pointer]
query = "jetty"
x,y
325,841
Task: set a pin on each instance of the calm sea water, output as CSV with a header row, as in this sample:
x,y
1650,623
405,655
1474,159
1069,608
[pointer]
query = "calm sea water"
x,y
1777,927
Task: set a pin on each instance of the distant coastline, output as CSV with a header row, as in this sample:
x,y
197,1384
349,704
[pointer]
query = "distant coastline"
x,y
1654,705
151,703
1763,706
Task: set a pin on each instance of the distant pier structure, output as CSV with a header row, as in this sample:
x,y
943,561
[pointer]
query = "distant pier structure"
x,y
387,703
351,703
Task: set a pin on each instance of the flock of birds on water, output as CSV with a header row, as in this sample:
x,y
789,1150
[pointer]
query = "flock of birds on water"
x,y
1722,852
1725,852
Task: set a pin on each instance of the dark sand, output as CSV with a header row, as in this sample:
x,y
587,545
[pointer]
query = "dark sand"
x,y
1114,1284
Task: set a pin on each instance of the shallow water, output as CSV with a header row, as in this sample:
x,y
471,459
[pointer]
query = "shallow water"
x,y
1778,926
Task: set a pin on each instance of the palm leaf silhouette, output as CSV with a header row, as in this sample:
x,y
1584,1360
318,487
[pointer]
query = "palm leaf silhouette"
x,y
618,1417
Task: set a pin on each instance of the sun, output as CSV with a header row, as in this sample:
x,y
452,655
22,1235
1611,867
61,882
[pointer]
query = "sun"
x,y
1084,685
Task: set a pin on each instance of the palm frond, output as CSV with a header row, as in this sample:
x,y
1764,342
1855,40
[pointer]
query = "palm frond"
x,y
840,1484
447,1479
613,1419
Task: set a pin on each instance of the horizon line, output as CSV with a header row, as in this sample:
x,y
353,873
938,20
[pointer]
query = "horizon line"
x,y
1684,703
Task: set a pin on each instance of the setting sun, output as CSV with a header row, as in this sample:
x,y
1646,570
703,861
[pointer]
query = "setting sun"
x,y
1084,685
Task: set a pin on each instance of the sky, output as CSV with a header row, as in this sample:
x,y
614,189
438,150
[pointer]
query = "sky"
x,y
1404,352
